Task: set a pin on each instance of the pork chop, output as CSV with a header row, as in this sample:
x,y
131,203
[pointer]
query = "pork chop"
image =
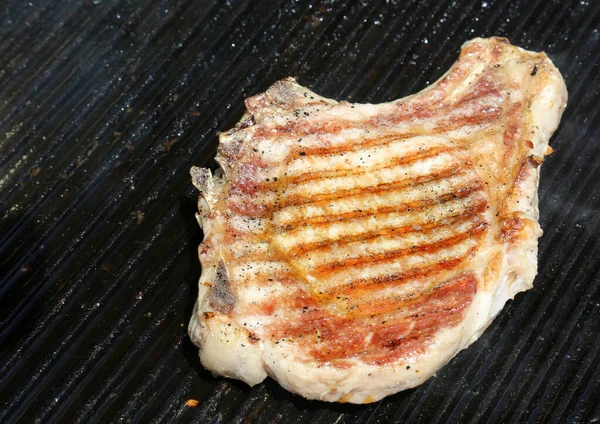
x,y
351,250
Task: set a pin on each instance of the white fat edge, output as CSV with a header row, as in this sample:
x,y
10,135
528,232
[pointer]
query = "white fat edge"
x,y
227,351
196,326
488,303
224,346
368,383
519,267
546,110
549,96
363,383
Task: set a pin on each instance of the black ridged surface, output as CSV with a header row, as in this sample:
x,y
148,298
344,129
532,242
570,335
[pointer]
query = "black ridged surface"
x,y
105,105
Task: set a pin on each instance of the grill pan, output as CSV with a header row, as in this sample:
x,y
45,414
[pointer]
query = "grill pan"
x,y
106,104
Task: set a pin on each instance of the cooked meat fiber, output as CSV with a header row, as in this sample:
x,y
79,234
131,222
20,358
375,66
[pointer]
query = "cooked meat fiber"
x,y
351,250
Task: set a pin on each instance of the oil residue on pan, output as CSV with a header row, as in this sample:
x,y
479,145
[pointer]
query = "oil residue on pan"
x,y
105,105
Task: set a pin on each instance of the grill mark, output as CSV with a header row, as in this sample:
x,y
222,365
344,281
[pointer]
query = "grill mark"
x,y
457,295
359,288
303,128
313,307
424,227
394,339
404,160
431,104
437,108
390,306
487,115
395,254
415,205
274,184
429,108
433,112
253,210
360,144
332,337
476,205
318,199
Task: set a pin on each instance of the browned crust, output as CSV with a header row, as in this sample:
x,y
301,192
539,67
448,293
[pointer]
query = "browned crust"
x,y
448,286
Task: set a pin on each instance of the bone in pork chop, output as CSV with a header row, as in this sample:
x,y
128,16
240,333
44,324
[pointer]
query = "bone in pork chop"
x,y
351,250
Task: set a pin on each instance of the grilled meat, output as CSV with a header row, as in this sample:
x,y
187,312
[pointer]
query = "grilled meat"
x,y
351,250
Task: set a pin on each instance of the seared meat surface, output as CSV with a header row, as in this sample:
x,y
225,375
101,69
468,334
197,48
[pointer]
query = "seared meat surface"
x,y
351,250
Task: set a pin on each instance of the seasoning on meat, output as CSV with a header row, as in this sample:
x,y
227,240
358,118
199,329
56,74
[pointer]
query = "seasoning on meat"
x,y
351,250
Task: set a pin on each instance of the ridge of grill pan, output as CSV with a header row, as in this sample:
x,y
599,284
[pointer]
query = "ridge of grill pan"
x,y
104,107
